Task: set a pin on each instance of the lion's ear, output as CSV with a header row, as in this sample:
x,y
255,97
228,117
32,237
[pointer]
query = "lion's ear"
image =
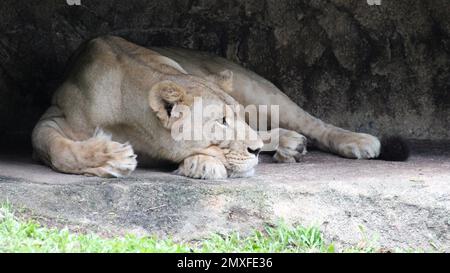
x,y
224,79
162,99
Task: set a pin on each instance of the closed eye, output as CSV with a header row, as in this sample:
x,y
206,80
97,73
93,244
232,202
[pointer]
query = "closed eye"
x,y
223,121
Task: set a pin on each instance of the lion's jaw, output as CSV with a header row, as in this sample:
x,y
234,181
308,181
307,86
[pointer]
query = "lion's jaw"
x,y
240,164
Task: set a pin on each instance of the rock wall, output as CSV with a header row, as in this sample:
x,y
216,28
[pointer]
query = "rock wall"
x,y
378,69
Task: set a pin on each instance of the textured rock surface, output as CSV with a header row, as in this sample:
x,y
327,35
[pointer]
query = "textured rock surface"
x,y
378,69
397,205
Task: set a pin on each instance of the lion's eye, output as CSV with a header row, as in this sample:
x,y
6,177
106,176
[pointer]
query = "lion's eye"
x,y
223,121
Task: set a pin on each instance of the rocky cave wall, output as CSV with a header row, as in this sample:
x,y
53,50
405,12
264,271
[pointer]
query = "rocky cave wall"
x,y
378,69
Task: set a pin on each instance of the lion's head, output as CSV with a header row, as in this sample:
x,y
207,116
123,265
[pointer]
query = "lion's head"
x,y
204,120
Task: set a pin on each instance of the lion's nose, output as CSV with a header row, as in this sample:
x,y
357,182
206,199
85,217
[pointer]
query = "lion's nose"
x,y
255,152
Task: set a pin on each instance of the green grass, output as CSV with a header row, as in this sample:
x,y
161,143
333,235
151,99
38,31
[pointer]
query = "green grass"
x,y
28,236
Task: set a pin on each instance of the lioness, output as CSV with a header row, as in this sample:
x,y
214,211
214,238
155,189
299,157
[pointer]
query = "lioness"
x,y
120,99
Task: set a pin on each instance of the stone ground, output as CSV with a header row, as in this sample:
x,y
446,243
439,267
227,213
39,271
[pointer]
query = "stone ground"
x,y
397,204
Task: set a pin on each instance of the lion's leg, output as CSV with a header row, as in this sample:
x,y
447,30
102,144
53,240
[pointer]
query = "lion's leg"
x,y
331,138
325,136
289,146
348,144
95,156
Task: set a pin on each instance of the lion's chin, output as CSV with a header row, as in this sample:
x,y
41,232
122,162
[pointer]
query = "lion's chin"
x,y
248,173
243,170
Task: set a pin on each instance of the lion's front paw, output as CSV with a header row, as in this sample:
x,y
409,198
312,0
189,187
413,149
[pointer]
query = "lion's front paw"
x,y
291,148
202,167
107,158
359,146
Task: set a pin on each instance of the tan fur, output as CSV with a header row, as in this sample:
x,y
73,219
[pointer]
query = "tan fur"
x,y
119,93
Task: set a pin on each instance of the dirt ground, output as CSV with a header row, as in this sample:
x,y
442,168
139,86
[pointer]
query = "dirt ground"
x,y
391,204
